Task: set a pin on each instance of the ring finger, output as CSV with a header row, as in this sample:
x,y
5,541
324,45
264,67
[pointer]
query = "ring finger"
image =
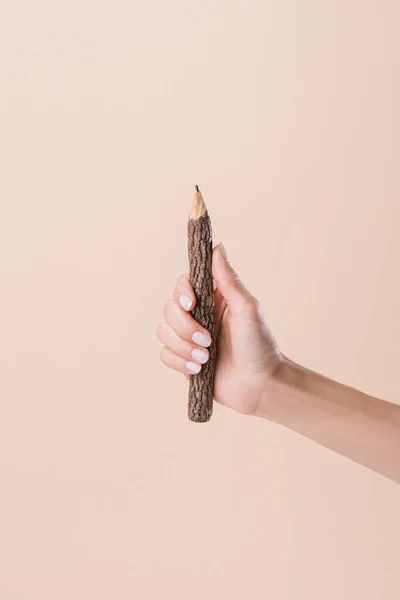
x,y
172,360
181,347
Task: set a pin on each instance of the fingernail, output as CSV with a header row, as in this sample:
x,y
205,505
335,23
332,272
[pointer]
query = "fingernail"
x,y
201,339
223,251
185,301
199,355
193,367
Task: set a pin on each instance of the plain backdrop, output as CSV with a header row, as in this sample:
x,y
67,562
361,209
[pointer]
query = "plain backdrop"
x,y
286,114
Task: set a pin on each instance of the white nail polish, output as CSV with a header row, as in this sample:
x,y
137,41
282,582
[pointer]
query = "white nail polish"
x,y
201,339
193,367
185,301
199,355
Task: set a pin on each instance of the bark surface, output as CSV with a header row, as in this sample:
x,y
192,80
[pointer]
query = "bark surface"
x,y
201,386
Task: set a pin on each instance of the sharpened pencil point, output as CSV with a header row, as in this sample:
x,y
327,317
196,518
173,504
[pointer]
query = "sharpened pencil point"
x,y
198,206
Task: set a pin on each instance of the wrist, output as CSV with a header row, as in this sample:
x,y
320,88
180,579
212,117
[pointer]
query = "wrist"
x,y
280,386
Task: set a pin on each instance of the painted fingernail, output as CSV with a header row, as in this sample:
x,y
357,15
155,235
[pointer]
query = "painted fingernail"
x,y
193,367
185,301
201,339
199,355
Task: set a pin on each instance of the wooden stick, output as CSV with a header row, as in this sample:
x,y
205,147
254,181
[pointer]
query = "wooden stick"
x,y
201,386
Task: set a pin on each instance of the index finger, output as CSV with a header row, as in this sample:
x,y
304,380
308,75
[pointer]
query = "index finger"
x,y
183,293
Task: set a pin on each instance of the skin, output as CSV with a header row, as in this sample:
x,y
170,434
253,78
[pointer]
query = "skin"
x,y
253,377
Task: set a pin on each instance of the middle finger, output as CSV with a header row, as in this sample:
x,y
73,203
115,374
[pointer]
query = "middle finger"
x,y
181,347
185,325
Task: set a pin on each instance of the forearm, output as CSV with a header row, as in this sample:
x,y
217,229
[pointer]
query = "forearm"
x,y
358,426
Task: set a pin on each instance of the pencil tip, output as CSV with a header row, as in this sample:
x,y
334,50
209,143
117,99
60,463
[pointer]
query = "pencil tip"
x,y
196,187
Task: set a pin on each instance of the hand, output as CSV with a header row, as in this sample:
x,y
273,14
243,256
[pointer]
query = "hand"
x,y
247,354
252,376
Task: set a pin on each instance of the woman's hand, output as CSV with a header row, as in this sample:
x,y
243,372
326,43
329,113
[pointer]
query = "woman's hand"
x,y
252,376
247,354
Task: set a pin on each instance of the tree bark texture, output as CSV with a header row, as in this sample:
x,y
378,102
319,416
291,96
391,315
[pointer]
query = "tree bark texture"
x,y
201,386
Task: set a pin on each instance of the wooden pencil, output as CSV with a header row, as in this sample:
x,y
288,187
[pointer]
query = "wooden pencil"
x,y
201,386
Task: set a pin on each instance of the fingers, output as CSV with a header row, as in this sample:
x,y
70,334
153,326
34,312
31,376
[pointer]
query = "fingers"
x,y
178,363
185,341
179,346
185,326
183,293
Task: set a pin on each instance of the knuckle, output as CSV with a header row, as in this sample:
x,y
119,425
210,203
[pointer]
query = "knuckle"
x,y
162,355
168,308
251,305
166,357
255,304
159,330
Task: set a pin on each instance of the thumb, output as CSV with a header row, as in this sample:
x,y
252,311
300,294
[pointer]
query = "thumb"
x,y
232,289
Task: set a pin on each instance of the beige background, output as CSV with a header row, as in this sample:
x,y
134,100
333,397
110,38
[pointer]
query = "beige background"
x,y
287,116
